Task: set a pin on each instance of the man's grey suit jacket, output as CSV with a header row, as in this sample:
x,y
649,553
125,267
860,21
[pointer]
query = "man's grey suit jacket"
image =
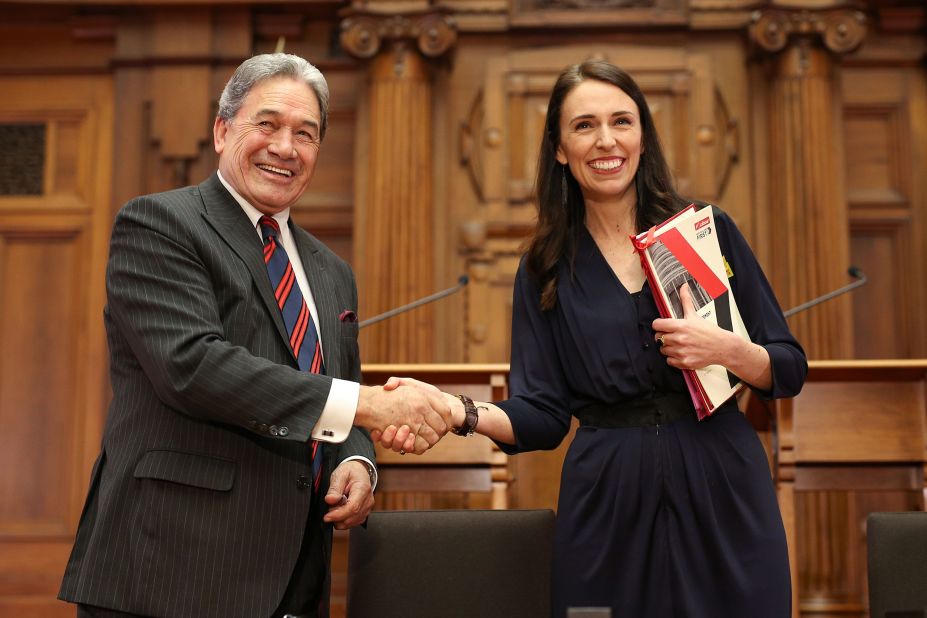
x,y
199,499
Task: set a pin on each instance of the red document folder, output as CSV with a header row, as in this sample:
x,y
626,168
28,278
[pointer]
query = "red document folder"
x,y
685,249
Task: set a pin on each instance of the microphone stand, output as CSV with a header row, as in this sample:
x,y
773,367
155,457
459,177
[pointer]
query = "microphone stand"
x,y
461,283
854,272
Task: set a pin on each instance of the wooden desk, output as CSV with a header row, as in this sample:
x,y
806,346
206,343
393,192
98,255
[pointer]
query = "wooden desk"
x,y
856,426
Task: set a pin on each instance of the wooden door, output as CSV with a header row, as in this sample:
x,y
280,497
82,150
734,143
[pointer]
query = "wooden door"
x,y
55,213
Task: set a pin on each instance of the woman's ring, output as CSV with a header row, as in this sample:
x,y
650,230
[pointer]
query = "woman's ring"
x,y
402,452
660,339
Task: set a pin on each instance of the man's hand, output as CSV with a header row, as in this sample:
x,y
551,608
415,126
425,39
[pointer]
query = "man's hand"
x,y
350,496
426,414
401,439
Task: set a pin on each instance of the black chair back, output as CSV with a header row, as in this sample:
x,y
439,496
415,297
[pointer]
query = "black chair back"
x,y
451,563
897,564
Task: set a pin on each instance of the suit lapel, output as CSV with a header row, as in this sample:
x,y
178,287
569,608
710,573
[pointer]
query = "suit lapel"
x,y
323,286
232,224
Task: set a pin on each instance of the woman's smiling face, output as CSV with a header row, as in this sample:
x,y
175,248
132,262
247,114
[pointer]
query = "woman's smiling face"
x,y
600,139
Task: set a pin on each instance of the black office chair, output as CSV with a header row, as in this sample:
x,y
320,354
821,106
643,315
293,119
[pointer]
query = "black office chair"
x,y
451,563
897,564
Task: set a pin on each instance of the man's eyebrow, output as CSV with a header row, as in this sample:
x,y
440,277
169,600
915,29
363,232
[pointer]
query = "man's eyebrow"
x,y
275,114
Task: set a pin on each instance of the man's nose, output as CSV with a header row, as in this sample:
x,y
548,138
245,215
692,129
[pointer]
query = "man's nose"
x,y
283,144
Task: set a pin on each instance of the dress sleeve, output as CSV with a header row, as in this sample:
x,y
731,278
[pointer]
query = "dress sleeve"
x,y
761,312
539,404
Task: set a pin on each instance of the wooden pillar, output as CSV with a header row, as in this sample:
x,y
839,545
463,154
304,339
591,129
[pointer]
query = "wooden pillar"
x,y
394,233
809,229
809,250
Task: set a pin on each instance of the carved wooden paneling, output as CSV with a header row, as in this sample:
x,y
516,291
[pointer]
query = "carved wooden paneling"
x,y
689,113
882,327
617,13
52,366
884,137
41,275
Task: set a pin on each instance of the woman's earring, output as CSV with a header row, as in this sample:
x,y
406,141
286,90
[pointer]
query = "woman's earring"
x,y
563,186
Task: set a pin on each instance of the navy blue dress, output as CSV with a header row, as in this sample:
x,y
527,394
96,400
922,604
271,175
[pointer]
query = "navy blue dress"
x,y
680,520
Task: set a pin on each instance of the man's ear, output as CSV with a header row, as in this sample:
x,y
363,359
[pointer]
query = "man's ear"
x,y
219,131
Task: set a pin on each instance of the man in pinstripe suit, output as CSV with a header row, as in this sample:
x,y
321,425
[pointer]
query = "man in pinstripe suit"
x,y
201,501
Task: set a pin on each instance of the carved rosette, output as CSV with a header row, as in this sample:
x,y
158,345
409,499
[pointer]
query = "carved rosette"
x,y
840,30
363,34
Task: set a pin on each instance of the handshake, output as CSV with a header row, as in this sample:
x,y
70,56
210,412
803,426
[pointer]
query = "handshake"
x,y
407,415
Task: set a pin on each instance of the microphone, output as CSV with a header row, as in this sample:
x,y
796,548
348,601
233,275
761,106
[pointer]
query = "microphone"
x,y
853,271
462,281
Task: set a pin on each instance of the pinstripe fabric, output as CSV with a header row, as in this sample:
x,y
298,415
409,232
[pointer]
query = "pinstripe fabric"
x,y
195,506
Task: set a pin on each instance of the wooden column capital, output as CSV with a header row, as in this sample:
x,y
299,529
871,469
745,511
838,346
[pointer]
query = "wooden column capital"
x,y
364,33
838,30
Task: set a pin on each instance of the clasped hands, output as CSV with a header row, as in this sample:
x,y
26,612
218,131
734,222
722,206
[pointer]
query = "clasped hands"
x,y
407,415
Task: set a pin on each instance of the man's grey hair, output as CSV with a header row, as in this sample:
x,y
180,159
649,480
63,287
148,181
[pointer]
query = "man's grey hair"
x,y
266,66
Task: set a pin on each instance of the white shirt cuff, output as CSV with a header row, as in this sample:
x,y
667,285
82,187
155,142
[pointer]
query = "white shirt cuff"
x,y
371,469
338,414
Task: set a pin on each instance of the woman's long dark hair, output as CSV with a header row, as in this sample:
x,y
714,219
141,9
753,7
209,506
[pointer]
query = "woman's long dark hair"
x,y
560,215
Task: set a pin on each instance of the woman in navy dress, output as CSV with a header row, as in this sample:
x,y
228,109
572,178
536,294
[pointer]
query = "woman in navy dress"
x,y
660,515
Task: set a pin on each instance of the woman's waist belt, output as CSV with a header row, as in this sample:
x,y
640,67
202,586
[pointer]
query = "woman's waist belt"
x,y
642,412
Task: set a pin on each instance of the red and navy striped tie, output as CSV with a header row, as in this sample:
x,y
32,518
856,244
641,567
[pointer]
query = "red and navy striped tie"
x,y
299,325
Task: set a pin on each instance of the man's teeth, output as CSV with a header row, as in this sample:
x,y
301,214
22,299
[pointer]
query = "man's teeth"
x,y
276,170
607,165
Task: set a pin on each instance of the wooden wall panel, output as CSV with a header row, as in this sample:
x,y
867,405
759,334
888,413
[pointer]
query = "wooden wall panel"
x,y
42,310
879,331
887,206
52,348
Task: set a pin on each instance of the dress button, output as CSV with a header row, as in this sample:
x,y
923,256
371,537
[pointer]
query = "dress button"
x,y
262,427
272,430
283,431
645,345
303,482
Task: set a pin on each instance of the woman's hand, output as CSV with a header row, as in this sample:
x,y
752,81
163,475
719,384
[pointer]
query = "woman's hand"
x,y
695,343
692,342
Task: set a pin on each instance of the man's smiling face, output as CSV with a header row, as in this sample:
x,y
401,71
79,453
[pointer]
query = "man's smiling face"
x,y
267,152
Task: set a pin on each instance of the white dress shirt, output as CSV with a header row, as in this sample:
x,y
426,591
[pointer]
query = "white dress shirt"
x,y
338,414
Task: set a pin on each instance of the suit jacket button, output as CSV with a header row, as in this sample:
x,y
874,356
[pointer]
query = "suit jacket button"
x,y
283,431
303,482
272,430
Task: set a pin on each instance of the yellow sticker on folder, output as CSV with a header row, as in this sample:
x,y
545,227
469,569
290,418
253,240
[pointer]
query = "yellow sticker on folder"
x,y
727,267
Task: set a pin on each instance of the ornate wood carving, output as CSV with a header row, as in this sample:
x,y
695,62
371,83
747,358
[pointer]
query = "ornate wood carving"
x,y
363,34
618,13
809,246
394,226
810,252
840,30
